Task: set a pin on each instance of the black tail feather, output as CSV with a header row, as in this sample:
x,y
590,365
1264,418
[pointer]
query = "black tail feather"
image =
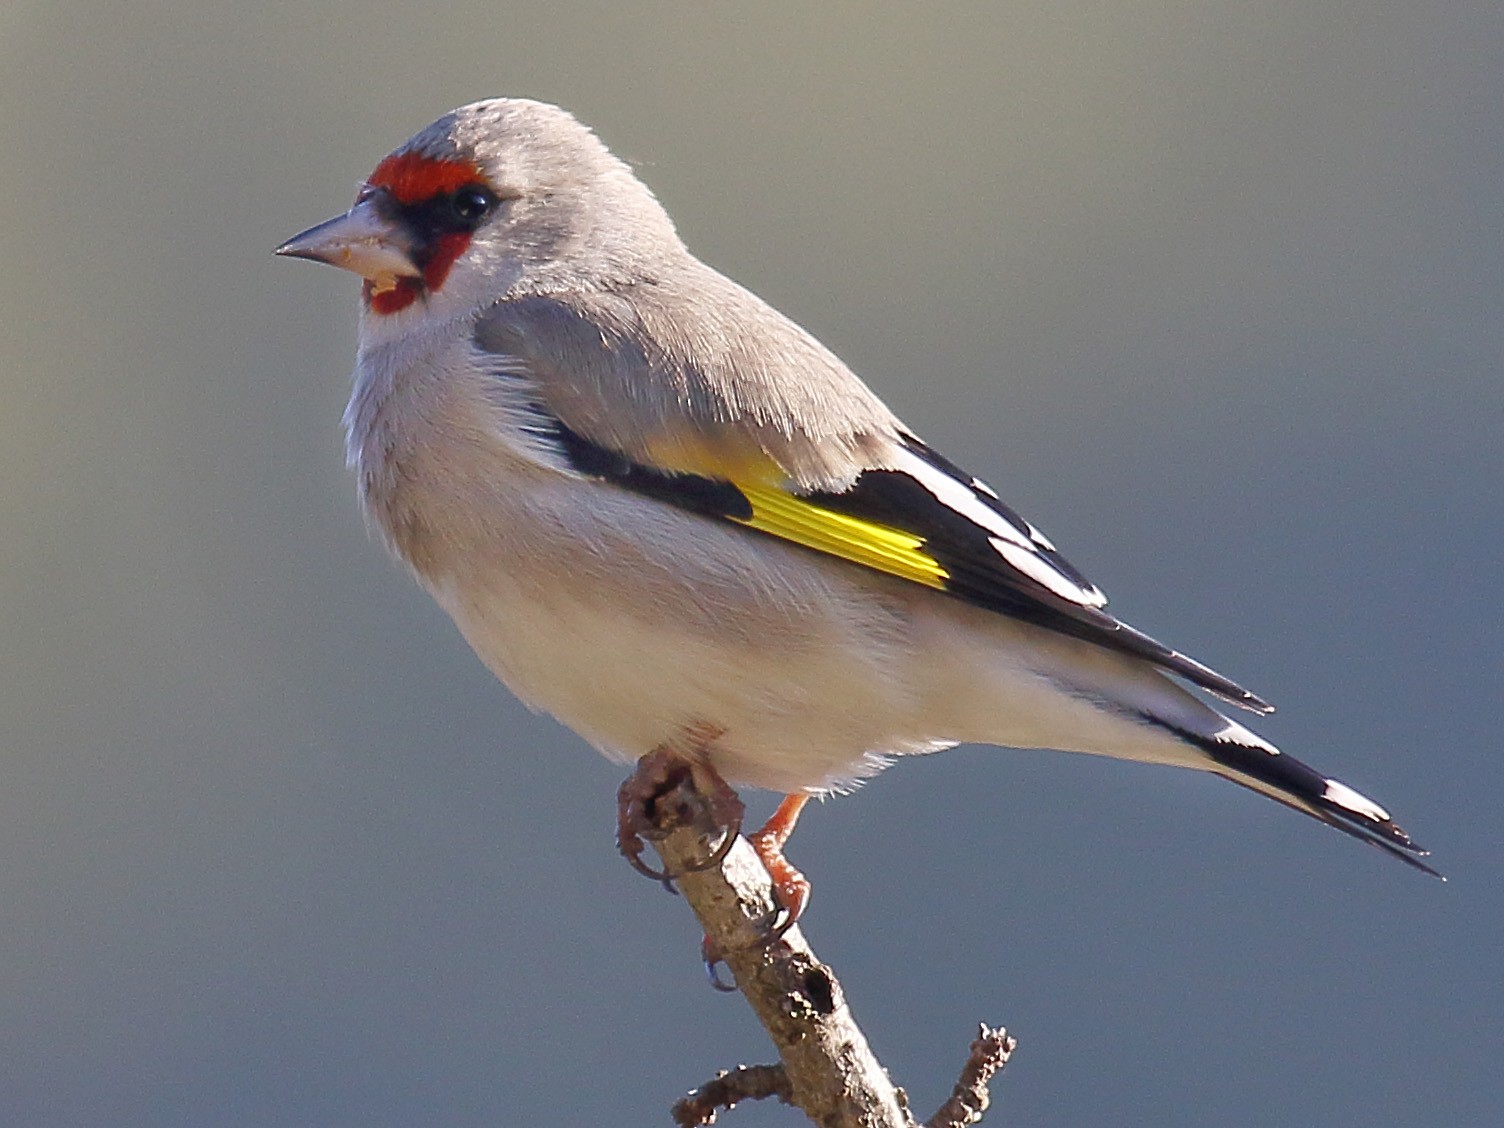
x,y
1298,786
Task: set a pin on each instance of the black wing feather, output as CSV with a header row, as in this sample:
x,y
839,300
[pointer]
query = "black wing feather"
x,y
980,575
977,572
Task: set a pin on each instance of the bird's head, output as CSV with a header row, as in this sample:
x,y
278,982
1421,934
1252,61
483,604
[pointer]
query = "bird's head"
x,y
498,198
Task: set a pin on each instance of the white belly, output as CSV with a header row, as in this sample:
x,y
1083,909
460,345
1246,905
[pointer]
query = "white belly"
x,y
803,679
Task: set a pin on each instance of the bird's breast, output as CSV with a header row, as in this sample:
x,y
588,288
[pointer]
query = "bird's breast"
x,y
428,465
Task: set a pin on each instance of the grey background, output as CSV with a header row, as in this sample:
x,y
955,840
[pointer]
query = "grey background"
x,y
1211,292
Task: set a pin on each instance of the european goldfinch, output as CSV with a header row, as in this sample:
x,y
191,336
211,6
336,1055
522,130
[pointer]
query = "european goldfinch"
x,y
664,513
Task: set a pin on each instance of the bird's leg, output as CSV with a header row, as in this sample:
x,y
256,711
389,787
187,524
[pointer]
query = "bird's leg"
x,y
675,785
791,886
650,803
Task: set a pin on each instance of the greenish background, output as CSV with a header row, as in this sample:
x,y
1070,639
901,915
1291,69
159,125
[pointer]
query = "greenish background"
x,y
1212,292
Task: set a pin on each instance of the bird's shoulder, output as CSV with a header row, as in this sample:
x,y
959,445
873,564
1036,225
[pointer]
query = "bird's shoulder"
x,y
691,372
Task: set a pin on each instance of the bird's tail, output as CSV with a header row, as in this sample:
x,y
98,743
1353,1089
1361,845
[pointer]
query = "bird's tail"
x,y
1247,760
1010,684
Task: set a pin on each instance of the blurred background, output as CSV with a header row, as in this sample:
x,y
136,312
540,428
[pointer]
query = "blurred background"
x,y
1211,292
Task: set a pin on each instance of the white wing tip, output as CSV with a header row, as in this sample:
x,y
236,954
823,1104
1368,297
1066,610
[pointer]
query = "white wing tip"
x,y
1037,568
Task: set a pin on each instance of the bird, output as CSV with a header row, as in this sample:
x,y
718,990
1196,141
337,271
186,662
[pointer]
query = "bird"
x,y
664,513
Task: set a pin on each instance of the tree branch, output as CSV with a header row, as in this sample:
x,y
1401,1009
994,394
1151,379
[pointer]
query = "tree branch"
x,y
744,1083
828,1069
970,1098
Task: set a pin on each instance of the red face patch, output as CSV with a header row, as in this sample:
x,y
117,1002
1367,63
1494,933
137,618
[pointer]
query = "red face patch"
x,y
412,178
435,270
390,301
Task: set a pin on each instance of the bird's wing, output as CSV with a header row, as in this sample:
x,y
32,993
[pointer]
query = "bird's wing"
x,y
858,487
693,375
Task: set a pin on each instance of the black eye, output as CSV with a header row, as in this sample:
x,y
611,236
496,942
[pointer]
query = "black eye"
x,y
470,205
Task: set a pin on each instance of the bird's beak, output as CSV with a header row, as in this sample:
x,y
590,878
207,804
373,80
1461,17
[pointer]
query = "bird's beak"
x,y
362,240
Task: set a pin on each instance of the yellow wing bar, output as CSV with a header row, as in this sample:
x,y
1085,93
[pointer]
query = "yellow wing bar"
x,y
862,542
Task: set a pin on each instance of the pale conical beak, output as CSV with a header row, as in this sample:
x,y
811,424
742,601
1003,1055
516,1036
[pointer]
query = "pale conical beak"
x,y
362,240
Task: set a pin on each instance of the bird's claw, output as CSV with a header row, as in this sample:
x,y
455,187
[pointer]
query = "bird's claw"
x,y
791,890
631,847
791,895
711,953
641,818
670,790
